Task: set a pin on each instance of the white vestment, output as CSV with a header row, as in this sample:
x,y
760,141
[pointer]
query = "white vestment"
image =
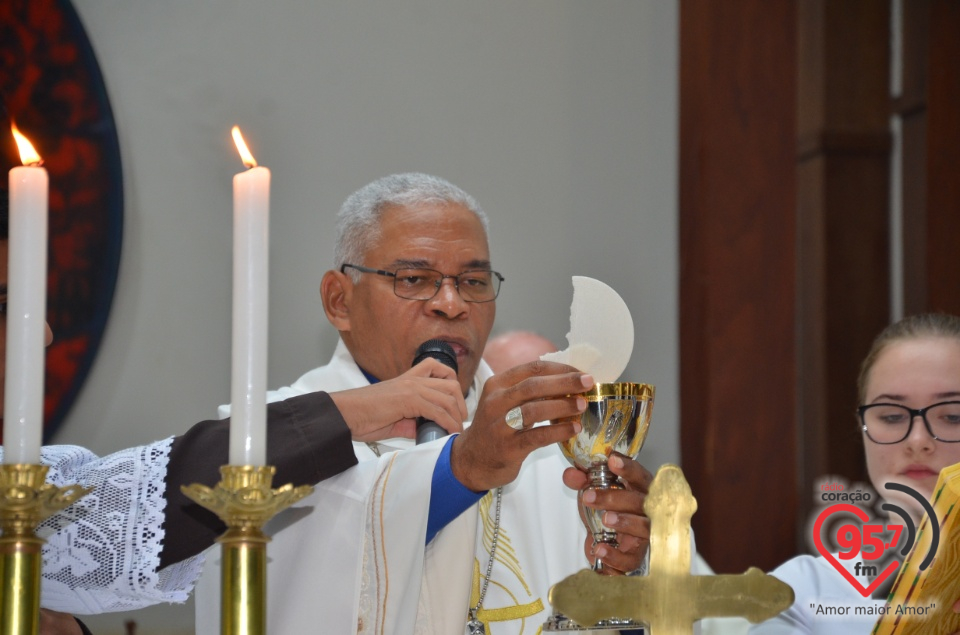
x,y
101,553
351,557
824,602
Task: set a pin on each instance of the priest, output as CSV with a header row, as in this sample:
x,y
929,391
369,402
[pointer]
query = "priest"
x,y
461,534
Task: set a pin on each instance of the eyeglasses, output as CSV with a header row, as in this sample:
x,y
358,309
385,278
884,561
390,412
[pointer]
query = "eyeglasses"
x,y
887,423
422,284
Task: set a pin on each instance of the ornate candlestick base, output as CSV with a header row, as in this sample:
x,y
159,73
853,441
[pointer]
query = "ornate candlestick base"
x,y
244,501
25,501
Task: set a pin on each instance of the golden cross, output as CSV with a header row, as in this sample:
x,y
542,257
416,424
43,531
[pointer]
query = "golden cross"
x,y
669,600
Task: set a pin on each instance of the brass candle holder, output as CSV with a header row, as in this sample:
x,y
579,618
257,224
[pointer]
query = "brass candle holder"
x,y
244,500
25,501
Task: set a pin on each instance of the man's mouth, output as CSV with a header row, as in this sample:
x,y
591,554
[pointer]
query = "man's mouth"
x,y
459,348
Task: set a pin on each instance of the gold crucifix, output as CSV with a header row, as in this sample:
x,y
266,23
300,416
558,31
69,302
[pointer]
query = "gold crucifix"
x,y
669,600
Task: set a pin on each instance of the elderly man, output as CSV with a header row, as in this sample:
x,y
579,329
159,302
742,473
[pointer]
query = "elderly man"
x,y
459,534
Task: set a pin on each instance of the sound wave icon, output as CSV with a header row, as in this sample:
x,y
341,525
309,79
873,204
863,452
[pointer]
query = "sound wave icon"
x,y
908,522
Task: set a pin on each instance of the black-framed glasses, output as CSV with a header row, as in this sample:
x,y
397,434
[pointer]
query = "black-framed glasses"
x,y
481,285
887,423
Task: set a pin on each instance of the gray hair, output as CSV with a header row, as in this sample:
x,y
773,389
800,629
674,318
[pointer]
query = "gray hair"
x,y
358,222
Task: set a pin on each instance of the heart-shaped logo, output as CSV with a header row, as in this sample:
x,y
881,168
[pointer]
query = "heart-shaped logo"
x,y
831,558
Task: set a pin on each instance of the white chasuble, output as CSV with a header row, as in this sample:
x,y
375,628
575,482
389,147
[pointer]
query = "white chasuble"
x,y
350,558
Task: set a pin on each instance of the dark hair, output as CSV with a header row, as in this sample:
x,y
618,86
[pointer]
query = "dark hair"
x,y
911,327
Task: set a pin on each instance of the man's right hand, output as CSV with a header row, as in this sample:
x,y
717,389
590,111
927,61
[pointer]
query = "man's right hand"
x,y
390,408
489,453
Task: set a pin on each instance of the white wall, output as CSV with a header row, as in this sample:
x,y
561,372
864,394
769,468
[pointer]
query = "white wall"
x,y
559,116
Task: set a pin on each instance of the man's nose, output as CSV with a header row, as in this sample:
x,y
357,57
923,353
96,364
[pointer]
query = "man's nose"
x,y
448,300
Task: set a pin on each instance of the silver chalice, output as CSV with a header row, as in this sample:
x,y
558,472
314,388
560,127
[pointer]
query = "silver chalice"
x,y
616,420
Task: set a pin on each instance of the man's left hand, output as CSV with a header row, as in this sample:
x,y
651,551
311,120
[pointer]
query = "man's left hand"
x,y
623,512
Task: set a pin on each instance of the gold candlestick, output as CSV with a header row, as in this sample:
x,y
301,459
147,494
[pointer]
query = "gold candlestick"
x,y
244,501
25,501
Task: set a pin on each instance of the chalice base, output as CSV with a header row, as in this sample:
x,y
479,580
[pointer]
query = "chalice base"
x,y
559,623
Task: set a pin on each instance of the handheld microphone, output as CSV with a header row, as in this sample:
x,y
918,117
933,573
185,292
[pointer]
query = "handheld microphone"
x,y
442,352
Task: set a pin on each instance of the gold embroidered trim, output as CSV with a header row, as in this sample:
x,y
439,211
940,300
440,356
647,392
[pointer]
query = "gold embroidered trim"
x,y
382,482
504,614
506,554
508,613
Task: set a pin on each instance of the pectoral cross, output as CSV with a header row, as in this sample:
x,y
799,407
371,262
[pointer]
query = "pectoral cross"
x,y
669,599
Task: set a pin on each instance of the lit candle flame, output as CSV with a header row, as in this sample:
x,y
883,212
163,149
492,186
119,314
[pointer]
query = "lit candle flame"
x,y
28,156
245,154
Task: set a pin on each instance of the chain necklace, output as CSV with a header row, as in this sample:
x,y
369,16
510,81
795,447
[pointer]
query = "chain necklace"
x,y
475,626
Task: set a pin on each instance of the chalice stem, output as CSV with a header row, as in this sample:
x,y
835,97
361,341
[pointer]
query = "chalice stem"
x,y
601,478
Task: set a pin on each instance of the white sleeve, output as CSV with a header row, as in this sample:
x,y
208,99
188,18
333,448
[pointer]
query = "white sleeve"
x,y
102,552
716,625
797,572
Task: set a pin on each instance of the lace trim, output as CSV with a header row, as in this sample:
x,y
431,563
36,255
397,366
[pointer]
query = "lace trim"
x,y
102,552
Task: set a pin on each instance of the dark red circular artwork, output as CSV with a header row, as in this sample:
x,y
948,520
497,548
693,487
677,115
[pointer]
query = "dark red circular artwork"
x,y
51,87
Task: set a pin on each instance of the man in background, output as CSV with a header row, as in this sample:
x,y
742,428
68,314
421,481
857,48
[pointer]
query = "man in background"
x,y
514,348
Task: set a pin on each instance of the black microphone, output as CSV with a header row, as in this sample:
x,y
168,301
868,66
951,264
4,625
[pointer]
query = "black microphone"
x,y
442,352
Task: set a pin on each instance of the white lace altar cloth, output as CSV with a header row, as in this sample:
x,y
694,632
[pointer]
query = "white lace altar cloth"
x,y
102,552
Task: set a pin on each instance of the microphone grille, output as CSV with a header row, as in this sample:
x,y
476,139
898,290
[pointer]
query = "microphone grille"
x,y
438,350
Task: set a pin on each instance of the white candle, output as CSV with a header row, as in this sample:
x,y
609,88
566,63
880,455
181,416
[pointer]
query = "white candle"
x,y
251,233
26,305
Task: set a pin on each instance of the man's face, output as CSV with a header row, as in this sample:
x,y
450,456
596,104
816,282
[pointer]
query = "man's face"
x,y
383,331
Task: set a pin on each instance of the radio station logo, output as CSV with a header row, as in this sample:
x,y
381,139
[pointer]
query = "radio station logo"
x,y
867,543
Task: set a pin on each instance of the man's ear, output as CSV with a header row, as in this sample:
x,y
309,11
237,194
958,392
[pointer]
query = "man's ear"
x,y
336,290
